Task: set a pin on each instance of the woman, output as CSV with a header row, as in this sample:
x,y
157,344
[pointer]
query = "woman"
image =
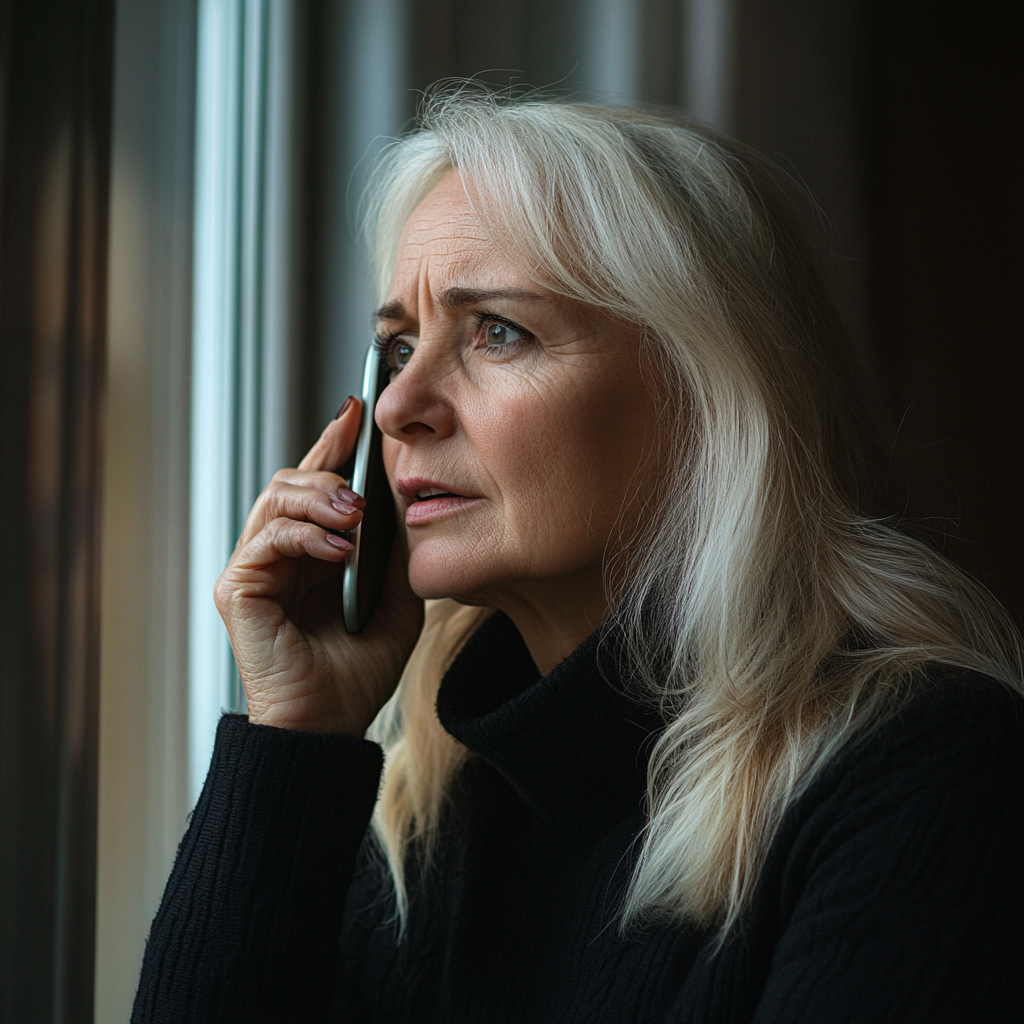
x,y
715,741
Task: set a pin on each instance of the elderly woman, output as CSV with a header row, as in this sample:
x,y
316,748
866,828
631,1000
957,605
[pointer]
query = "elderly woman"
x,y
693,731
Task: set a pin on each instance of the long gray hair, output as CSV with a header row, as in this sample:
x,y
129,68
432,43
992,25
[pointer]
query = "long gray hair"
x,y
774,609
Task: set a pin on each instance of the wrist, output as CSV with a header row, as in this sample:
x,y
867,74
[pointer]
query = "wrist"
x,y
325,724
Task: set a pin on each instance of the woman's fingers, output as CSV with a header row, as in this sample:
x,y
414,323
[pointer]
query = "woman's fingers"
x,y
337,441
313,491
316,497
266,566
282,540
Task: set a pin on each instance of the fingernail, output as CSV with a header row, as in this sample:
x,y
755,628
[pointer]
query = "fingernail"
x,y
338,542
341,411
343,506
350,496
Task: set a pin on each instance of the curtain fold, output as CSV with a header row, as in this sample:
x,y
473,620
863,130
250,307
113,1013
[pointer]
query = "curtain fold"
x,y
55,94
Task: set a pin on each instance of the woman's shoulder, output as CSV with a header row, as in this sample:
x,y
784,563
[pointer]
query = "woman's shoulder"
x,y
951,726
942,689
951,749
948,716
894,879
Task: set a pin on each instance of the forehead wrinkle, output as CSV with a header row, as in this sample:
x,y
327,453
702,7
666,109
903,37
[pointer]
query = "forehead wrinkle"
x,y
425,298
444,240
437,228
395,310
485,267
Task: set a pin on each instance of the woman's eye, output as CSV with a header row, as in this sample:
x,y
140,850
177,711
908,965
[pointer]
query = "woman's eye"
x,y
498,335
403,353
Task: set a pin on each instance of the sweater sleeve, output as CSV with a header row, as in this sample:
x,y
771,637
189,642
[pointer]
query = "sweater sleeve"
x,y
249,922
902,895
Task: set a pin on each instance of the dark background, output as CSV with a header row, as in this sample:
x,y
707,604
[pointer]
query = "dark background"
x,y
944,118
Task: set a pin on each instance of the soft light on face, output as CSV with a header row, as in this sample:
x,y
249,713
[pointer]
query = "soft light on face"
x,y
528,409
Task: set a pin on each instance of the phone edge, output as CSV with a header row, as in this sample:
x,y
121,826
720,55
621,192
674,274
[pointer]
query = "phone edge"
x,y
350,579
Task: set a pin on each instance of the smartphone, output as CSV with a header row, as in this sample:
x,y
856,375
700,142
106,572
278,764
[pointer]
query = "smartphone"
x,y
366,565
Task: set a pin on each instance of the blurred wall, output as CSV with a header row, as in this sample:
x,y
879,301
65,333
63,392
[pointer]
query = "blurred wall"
x,y
144,655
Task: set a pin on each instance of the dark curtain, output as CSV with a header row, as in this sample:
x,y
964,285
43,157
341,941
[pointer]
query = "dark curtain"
x,y
55,84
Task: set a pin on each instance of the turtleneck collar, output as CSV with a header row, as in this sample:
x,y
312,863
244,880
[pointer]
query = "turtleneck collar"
x,y
572,743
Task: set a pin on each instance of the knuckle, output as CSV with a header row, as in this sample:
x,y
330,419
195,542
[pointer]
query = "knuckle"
x,y
223,591
276,528
257,512
326,481
274,491
310,532
285,534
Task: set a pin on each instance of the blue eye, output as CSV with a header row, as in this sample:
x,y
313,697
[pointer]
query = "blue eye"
x,y
403,353
499,335
395,353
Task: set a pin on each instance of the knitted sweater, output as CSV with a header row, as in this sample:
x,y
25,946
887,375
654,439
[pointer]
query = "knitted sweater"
x,y
891,892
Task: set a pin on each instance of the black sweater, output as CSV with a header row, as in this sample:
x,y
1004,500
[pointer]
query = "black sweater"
x,y
891,892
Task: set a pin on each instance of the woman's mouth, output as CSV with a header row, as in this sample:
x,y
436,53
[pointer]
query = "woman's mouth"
x,y
436,506
435,492
430,500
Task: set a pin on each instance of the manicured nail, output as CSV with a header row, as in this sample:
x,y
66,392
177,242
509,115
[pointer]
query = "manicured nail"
x,y
341,411
350,496
345,507
338,541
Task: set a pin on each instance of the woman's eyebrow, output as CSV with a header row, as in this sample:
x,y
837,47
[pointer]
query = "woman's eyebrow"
x,y
391,311
453,298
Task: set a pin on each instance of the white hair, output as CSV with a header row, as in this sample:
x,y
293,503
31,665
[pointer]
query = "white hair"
x,y
774,609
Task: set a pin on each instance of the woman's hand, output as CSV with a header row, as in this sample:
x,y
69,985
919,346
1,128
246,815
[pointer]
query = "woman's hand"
x,y
280,598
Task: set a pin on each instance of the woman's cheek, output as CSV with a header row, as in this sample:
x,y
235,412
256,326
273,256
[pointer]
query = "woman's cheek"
x,y
389,451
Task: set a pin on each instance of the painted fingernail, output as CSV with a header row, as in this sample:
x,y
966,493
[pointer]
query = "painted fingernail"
x,y
345,507
338,541
350,496
341,411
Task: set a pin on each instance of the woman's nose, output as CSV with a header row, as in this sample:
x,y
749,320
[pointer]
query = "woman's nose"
x,y
415,403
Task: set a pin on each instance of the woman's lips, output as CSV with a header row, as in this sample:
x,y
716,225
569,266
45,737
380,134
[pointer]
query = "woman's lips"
x,y
429,509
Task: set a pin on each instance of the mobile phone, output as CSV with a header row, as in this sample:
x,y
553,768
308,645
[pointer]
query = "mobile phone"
x,y
372,538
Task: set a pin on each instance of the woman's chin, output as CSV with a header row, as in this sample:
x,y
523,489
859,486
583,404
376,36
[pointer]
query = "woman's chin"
x,y
433,576
431,580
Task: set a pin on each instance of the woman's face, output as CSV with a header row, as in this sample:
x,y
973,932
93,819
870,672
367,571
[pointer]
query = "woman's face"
x,y
527,409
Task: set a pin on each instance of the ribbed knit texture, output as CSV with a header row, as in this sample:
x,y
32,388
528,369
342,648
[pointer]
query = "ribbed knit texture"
x,y
892,891
248,926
